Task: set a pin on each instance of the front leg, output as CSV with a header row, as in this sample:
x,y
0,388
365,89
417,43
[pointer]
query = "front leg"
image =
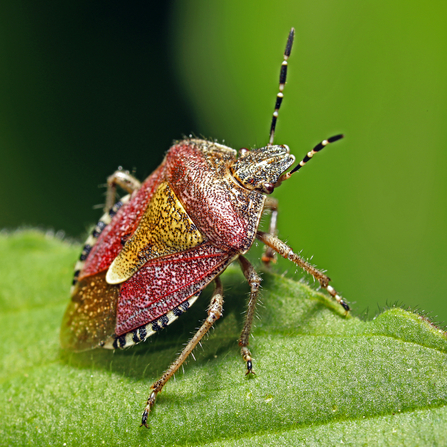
x,y
286,252
271,204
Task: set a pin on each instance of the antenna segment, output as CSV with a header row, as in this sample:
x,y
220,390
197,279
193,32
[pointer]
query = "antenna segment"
x,y
282,83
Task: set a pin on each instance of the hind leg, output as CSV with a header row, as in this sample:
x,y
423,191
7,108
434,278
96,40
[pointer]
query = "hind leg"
x,y
214,313
122,179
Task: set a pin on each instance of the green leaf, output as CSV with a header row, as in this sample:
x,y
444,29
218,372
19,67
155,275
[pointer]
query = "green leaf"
x,y
323,378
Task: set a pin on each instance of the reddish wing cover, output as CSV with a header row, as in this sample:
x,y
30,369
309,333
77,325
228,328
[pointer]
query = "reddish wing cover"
x,y
164,283
122,225
91,314
199,174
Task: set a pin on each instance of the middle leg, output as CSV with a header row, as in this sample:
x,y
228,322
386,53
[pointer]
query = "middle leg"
x,y
254,281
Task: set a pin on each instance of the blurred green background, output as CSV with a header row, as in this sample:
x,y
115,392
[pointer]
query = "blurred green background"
x,y
88,86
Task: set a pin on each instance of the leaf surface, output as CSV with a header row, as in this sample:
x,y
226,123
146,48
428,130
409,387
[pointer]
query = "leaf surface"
x,y
323,378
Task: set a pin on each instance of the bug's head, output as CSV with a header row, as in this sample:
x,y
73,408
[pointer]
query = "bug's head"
x,y
261,169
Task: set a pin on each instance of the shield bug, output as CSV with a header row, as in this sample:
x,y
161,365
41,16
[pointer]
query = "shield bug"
x,y
153,252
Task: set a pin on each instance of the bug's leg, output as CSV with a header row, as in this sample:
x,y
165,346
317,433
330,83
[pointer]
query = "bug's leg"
x,y
214,313
286,252
122,179
255,282
271,204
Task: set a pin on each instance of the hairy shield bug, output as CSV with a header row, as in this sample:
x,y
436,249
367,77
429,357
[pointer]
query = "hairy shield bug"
x,y
154,251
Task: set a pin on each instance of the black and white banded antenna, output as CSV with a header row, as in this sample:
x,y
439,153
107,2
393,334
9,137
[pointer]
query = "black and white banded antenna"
x,y
282,83
279,98
309,156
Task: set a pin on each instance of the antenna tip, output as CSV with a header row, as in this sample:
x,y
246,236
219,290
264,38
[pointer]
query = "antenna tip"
x,y
291,36
335,138
289,44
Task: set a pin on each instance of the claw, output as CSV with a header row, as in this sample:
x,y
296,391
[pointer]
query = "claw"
x,y
345,306
144,418
249,368
246,355
150,403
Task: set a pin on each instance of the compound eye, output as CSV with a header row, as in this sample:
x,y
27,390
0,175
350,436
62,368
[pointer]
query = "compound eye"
x,y
268,187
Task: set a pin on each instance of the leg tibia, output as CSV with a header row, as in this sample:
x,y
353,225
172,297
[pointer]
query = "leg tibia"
x,y
286,252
